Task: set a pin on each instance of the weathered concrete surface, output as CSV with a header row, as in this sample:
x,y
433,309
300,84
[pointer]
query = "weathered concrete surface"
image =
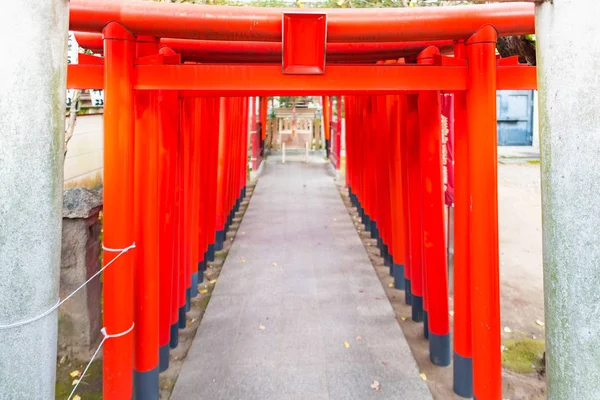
x,y
33,42
569,92
296,285
80,318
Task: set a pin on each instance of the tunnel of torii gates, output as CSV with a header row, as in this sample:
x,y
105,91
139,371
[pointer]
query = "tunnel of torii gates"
x,y
177,81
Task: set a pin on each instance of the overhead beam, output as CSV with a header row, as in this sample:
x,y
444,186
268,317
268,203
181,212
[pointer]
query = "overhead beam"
x,y
259,80
262,80
189,21
221,51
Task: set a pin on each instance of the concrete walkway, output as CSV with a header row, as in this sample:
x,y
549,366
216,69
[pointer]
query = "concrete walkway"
x,y
305,316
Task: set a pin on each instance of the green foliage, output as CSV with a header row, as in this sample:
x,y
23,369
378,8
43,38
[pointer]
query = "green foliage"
x,y
523,356
285,101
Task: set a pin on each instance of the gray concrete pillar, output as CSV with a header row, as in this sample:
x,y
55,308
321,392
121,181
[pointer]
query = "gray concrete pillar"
x,y
33,53
568,59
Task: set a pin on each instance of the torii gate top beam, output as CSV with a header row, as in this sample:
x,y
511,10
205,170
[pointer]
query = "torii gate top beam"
x,y
189,21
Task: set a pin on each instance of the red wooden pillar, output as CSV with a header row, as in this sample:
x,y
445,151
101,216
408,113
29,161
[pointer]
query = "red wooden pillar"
x,y
196,193
119,51
402,171
462,362
202,205
186,152
382,176
168,126
397,107
244,160
255,134
327,122
414,286
176,169
146,266
436,270
221,173
214,113
371,167
483,223
338,137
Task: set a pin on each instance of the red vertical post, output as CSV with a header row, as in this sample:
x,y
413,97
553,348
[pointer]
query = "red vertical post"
x,y
463,363
338,137
215,104
168,120
196,165
175,172
146,267
204,171
402,171
264,121
400,260
255,134
436,266
119,51
483,223
221,173
414,286
381,175
244,161
327,122
185,280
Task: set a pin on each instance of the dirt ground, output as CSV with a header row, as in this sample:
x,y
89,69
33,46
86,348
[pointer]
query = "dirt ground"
x,y
522,302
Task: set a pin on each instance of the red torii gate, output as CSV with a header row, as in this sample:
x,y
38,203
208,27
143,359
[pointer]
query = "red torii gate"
x,y
190,126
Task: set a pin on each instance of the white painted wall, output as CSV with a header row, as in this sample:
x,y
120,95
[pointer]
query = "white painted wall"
x,y
85,155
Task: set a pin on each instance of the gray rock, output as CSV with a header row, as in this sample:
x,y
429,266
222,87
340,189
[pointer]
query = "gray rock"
x,y
81,202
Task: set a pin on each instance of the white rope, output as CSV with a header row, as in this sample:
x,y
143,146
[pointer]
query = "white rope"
x,y
59,303
104,337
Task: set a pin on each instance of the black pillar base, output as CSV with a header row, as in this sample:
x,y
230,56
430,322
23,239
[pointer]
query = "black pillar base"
x,y
163,358
417,308
425,325
439,349
463,376
174,336
398,273
408,296
182,317
188,299
145,384
210,253
219,240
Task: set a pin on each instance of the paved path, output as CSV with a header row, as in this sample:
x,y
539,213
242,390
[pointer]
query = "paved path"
x,y
322,292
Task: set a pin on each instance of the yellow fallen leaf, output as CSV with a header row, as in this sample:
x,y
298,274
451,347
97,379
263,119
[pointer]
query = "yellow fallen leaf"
x,y
76,397
274,264
75,382
423,376
74,373
403,318
212,281
243,233
391,285
540,323
346,344
243,260
261,327
203,291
